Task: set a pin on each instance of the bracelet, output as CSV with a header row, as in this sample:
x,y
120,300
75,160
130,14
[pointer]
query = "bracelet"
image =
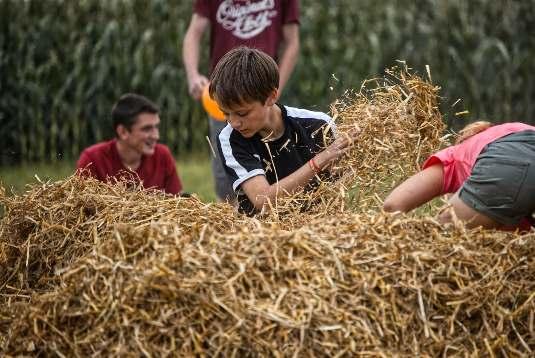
x,y
312,164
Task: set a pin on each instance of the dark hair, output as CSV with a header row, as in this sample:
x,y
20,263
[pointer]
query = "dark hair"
x,y
244,75
128,107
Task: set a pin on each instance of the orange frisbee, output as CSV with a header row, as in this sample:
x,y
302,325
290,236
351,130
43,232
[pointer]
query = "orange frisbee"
x,y
210,106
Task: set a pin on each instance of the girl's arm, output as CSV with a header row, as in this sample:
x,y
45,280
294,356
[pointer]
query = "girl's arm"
x,y
417,190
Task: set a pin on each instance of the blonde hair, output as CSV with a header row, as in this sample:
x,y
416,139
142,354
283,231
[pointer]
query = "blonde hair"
x,y
471,130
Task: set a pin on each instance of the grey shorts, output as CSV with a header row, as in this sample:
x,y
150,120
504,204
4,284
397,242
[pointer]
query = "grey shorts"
x,y
502,183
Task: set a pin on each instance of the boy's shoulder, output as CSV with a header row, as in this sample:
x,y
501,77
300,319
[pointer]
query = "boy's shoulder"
x,y
229,137
226,132
309,121
162,149
100,148
301,114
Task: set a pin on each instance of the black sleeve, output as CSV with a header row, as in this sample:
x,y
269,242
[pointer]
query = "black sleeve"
x,y
238,156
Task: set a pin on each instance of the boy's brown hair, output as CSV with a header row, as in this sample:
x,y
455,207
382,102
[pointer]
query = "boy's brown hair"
x,y
244,75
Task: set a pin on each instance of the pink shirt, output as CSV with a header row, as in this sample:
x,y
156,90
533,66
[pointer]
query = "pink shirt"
x,y
157,171
458,160
253,23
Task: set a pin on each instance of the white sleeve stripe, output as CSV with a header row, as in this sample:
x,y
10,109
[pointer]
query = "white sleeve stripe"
x,y
230,160
305,113
249,175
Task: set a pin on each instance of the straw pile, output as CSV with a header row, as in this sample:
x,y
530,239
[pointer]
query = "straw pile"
x,y
52,225
357,284
90,269
400,124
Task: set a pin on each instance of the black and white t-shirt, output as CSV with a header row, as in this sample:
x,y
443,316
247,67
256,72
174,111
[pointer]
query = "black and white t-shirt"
x,y
306,133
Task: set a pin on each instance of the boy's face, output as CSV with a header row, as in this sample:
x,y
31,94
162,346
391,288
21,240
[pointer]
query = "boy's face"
x,y
143,135
249,118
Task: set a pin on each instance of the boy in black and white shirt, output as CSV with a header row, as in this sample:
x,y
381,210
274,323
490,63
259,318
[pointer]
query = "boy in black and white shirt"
x,y
268,150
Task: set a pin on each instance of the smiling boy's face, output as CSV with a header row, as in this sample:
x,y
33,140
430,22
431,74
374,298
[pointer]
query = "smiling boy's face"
x,y
143,134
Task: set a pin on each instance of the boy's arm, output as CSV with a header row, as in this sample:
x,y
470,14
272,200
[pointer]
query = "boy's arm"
x,y
173,184
260,192
191,53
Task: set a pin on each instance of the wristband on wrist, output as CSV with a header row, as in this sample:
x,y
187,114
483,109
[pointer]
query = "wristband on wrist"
x,y
315,168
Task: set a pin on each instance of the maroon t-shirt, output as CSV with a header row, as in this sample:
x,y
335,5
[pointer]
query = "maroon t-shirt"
x,y
253,23
155,171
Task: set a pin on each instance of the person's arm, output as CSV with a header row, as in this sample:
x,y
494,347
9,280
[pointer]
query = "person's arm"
x,y
260,192
289,53
417,190
191,53
85,166
173,184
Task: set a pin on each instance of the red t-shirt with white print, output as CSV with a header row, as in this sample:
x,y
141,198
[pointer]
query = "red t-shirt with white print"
x,y
253,23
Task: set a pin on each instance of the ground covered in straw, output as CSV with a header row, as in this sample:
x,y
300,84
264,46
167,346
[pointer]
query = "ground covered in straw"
x,y
91,269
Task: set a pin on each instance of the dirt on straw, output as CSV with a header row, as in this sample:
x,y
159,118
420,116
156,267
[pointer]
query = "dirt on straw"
x,y
91,269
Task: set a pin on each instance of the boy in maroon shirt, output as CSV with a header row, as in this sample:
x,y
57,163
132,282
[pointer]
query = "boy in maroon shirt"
x,y
134,149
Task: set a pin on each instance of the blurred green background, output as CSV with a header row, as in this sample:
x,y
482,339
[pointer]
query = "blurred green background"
x,y
63,63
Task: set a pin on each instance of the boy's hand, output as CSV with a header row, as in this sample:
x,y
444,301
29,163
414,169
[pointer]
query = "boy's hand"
x,y
337,148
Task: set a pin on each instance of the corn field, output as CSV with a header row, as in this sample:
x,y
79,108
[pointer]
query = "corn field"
x,y
64,63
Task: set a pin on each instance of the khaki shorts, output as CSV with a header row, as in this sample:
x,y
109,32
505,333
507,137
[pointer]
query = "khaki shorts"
x,y
502,183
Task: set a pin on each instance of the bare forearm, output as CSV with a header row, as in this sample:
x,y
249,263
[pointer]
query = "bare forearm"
x,y
289,54
285,187
286,66
294,182
190,54
416,190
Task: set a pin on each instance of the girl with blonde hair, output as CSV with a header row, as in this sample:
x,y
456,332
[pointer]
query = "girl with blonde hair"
x,y
490,171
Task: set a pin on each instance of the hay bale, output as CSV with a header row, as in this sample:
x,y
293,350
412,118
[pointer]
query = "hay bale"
x,y
401,125
51,226
379,285
95,269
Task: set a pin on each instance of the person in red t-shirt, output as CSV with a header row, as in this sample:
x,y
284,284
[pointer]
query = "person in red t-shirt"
x,y
491,171
134,150
268,25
